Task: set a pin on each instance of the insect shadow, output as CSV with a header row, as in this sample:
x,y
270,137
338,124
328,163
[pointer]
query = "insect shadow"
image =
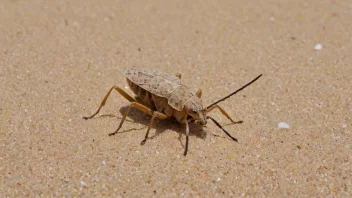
x,y
136,116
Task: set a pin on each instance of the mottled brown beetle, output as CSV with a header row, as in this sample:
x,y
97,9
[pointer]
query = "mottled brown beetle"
x,y
162,96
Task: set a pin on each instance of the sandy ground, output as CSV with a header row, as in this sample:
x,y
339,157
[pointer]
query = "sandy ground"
x,y
59,58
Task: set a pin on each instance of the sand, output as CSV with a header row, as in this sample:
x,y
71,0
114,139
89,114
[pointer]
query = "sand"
x,y
58,59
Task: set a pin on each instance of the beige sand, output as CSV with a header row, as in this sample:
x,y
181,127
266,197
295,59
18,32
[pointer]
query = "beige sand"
x,y
59,58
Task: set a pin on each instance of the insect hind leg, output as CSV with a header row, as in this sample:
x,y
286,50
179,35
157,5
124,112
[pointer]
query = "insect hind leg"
x,y
118,89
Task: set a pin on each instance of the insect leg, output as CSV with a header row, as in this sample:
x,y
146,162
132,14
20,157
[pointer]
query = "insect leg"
x,y
178,75
118,89
199,93
137,106
156,114
223,112
187,136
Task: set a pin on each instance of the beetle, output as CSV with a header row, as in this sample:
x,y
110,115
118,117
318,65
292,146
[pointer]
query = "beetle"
x,y
164,96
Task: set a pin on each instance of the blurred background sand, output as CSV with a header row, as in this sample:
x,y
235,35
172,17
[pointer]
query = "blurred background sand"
x,y
58,59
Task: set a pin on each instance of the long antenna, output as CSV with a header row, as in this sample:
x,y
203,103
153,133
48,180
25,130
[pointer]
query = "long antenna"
x,y
238,90
217,124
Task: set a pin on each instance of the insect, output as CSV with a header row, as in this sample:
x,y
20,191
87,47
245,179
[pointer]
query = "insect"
x,y
164,96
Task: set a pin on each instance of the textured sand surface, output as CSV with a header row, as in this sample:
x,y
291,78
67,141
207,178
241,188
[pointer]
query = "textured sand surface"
x,y
58,59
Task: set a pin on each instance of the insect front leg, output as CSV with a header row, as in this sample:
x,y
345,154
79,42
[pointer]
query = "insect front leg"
x,y
156,114
199,93
118,89
137,106
223,112
178,75
187,137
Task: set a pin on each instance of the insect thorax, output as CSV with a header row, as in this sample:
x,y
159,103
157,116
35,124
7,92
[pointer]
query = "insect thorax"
x,y
194,104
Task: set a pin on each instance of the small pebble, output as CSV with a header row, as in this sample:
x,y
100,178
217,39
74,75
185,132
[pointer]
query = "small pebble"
x,y
318,46
283,125
272,18
83,183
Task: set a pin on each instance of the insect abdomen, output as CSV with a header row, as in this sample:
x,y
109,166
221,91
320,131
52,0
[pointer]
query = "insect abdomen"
x,y
142,95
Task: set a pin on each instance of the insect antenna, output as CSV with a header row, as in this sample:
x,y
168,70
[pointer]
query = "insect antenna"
x,y
217,124
238,90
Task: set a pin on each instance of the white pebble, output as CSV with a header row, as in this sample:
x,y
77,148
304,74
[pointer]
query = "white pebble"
x,y
318,46
283,125
83,183
272,18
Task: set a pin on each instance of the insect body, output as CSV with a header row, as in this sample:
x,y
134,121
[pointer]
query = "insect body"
x,y
163,96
